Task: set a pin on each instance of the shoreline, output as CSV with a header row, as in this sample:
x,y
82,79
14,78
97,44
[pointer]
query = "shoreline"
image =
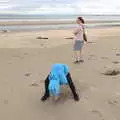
x,y
44,30
52,22
58,26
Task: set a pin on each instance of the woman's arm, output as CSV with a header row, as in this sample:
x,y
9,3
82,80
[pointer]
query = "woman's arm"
x,y
76,31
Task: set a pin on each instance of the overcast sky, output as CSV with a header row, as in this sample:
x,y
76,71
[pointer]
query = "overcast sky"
x,y
60,6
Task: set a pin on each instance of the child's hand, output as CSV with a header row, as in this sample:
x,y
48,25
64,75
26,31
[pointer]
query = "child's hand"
x,y
56,98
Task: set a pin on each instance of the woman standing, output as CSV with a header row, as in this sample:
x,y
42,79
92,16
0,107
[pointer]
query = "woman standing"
x,y
79,39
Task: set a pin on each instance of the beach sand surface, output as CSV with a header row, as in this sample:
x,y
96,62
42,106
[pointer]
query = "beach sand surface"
x,y
25,61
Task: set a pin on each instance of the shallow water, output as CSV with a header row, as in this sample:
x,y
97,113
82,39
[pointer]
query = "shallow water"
x,y
54,27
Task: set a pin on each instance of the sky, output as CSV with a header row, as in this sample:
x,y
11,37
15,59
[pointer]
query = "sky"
x,y
60,7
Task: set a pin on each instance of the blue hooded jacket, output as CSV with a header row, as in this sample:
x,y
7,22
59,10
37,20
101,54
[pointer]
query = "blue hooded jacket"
x,y
57,77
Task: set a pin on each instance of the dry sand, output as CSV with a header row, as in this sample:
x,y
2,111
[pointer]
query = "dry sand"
x,y
25,62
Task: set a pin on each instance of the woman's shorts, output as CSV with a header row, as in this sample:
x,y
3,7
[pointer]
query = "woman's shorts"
x,y
78,45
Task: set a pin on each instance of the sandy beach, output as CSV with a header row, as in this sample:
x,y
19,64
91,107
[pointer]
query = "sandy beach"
x,y
25,61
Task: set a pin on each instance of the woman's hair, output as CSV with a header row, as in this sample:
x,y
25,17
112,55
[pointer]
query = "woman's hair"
x,y
81,19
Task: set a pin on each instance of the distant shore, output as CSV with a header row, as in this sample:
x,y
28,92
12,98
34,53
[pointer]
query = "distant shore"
x,y
32,25
50,22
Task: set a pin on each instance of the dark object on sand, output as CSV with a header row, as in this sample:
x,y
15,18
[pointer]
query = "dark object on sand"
x,y
41,37
118,54
27,74
112,72
78,61
69,38
4,31
115,62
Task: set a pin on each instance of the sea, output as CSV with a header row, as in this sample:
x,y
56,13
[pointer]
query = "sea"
x,y
104,21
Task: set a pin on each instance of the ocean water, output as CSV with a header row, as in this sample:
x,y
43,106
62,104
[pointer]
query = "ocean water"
x,y
114,20
60,17
53,27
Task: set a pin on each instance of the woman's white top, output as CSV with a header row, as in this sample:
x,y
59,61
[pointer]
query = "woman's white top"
x,y
79,30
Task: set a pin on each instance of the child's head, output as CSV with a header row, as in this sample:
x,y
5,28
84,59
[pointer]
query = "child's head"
x,y
80,20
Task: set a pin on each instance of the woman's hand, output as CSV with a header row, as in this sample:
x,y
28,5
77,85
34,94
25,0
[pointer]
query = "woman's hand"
x,y
75,33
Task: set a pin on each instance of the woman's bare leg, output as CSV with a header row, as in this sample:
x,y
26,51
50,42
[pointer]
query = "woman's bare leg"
x,y
75,56
80,58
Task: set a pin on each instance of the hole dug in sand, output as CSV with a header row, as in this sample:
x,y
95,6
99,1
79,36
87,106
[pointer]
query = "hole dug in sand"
x,y
112,72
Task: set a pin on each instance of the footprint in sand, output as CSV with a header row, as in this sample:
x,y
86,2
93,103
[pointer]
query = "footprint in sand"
x,y
118,54
27,74
42,44
97,112
42,81
114,49
104,58
113,102
116,62
112,72
34,84
91,57
9,63
17,56
26,54
64,97
5,101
